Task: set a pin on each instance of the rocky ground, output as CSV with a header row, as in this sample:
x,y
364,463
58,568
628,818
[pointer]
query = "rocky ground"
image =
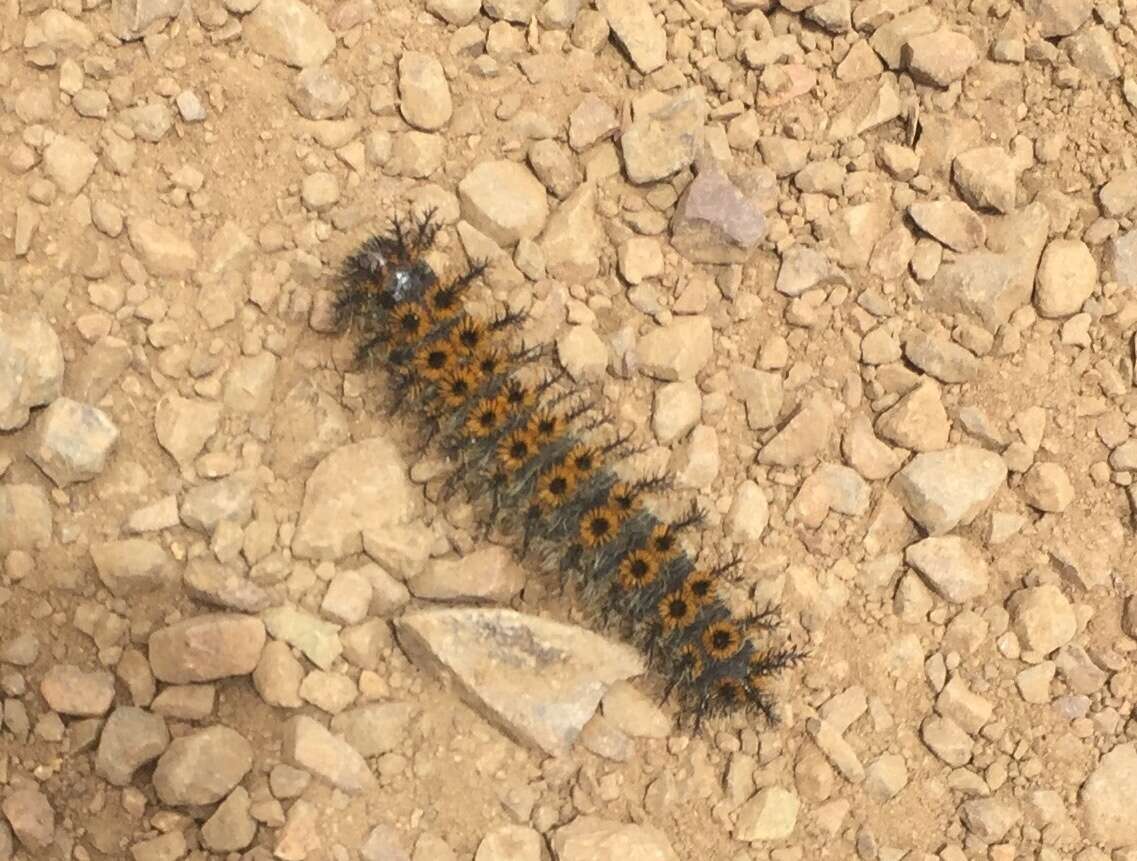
x,y
860,274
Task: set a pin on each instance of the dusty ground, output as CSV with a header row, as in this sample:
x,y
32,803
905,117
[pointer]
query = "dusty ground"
x,y
862,275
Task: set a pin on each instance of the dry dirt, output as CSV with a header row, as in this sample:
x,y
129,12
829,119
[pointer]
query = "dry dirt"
x,y
915,422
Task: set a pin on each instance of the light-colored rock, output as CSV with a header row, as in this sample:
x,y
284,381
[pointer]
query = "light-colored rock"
x,y
987,178
503,200
31,367
424,92
802,438
941,490
572,239
164,251
358,486
184,425
1067,276
31,817
289,31
918,421
939,58
69,162
72,441
133,566
954,567
678,350
1106,798
951,222
1042,618
638,32
1047,487
592,838
557,673
316,638
70,690
26,519
309,745
666,140
769,815
489,574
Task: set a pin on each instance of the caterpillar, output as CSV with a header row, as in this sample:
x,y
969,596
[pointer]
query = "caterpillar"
x,y
537,458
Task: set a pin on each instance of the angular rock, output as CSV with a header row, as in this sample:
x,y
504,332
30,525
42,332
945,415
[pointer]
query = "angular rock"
x,y
31,367
228,500
55,29
951,222
290,31
983,285
25,518
72,441
1042,618
802,438
769,815
573,237
945,360
636,29
538,681
989,819
666,140
503,200
69,162
308,424
231,827
874,103
714,222
133,566
1058,17
954,567
185,425
488,574
358,486
164,251
31,817
1047,487
804,269
947,740
1106,798
678,350
987,178
939,58
207,647
918,421
131,18
1121,259
1119,195
309,745
944,489
317,639
317,94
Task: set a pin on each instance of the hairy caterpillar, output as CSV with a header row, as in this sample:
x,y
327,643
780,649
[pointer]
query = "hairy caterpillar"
x,y
538,456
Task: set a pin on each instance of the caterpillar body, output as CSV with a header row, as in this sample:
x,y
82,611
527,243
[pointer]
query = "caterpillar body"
x,y
536,457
